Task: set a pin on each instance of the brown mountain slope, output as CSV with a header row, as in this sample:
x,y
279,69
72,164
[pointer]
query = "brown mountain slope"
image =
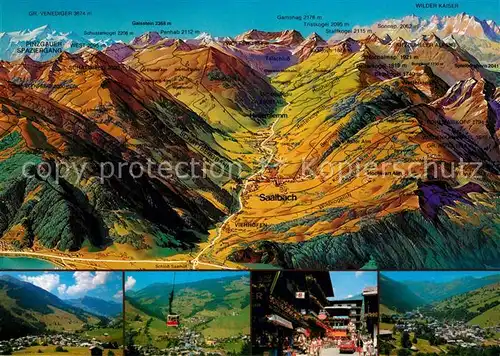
x,y
231,96
150,211
354,160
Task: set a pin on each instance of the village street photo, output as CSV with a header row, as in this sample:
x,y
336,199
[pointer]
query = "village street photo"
x,y
57,313
314,313
187,313
431,313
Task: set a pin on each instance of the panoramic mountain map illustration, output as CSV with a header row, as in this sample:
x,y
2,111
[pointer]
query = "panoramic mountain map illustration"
x,y
250,134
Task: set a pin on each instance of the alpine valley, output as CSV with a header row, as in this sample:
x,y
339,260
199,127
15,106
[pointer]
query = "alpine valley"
x,y
425,313
34,320
379,147
214,316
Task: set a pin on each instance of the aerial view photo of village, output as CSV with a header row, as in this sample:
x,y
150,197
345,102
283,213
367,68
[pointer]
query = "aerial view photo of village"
x,y
429,313
314,313
187,313
61,313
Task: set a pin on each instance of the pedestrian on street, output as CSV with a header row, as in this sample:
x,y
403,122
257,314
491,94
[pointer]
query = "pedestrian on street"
x,y
360,346
312,347
365,348
320,345
371,348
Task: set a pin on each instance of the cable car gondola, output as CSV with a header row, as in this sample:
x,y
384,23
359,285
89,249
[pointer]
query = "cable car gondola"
x,y
172,319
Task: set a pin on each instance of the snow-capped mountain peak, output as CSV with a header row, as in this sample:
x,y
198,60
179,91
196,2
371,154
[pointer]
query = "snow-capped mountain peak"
x,y
204,36
41,43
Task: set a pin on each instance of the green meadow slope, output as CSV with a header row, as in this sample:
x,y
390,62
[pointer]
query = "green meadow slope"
x,y
216,308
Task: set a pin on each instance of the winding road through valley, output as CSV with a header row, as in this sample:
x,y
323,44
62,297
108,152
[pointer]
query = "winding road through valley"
x,y
269,150
63,261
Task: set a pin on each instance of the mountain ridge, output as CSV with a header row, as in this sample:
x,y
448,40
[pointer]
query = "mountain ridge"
x,y
435,292
215,309
210,293
404,300
28,309
98,306
272,104
461,24
428,294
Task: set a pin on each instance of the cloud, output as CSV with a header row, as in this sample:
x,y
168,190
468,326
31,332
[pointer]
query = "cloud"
x,y
350,296
61,289
359,274
85,282
47,281
101,278
119,295
129,283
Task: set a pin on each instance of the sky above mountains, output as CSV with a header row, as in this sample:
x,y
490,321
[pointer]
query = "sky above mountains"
x,y
218,17
350,284
73,285
140,280
437,277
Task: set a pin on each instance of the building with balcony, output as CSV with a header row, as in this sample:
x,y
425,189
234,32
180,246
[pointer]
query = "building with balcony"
x,y
345,316
285,303
371,311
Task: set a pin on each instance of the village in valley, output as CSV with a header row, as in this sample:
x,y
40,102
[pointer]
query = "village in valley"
x,y
454,315
61,312
440,333
192,343
187,313
60,342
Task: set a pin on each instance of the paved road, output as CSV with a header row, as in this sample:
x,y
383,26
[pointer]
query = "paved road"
x,y
329,352
63,259
333,352
271,153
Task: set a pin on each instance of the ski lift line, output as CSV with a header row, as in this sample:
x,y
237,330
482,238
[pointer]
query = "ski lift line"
x,y
171,299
